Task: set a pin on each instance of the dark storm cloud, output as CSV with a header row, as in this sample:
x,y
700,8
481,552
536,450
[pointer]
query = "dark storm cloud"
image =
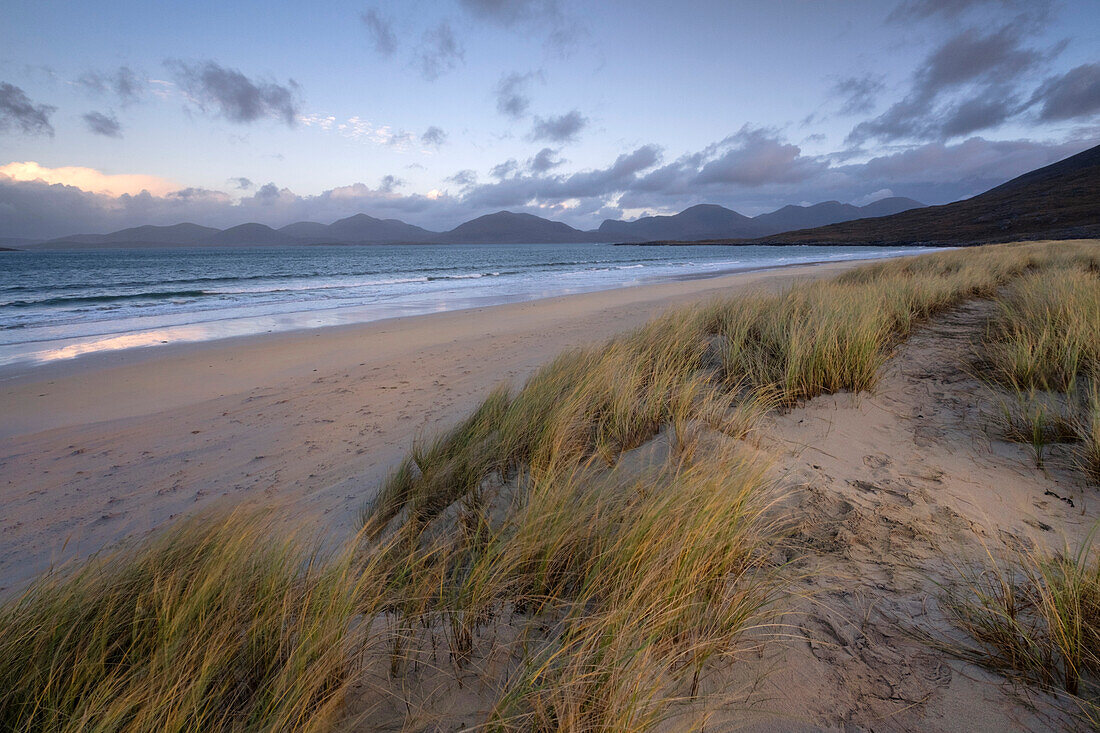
x,y
975,56
433,136
241,183
992,108
1075,94
954,91
381,32
101,124
859,93
234,95
545,160
512,97
17,110
440,52
561,129
122,82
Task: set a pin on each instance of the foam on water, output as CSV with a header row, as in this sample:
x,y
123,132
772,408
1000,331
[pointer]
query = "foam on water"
x,y
57,305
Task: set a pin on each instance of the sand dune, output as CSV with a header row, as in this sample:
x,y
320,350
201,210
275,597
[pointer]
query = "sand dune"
x,y
111,446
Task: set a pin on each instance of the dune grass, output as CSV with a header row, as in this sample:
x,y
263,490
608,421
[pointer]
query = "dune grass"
x,y
604,580
1035,618
1045,338
1047,333
1090,433
694,364
215,624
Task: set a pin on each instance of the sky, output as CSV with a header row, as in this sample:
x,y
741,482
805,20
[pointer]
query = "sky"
x,y
126,113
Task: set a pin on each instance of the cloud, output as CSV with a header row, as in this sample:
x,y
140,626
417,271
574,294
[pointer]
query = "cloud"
x,y
859,93
123,82
233,95
561,129
356,128
17,110
510,12
381,32
512,97
994,106
1074,94
439,52
389,183
754,157
965,84
543,16
952,9
465,177
88,179
769,172
544,160
433,136
101,124
241,183
882,193
970,166
56,209
515,189
505,169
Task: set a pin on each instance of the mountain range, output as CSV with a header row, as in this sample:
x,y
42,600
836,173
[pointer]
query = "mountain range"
x,y
1059,201
705,221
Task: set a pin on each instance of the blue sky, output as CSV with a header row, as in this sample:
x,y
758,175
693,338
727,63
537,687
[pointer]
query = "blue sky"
x,y
434,112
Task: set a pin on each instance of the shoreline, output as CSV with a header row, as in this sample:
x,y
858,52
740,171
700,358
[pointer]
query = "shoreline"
x,y
18,357
114,445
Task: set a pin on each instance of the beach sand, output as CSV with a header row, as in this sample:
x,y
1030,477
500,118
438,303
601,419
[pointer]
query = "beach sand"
x,y
892,489
113,445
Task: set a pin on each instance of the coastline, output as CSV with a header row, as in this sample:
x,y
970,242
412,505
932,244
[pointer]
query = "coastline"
x,y
236,308
112,445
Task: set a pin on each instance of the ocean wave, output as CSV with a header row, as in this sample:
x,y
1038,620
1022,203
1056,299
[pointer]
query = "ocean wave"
x,y
105,299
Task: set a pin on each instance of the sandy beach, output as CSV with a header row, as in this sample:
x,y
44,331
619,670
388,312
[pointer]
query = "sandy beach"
x,y
887,493
108,446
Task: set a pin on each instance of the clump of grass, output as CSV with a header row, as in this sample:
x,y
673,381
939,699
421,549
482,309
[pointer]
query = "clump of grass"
x,y
1047,333
835,335
216,624
643,581
1046,337
1035,618
1090,433
597,401
1039,419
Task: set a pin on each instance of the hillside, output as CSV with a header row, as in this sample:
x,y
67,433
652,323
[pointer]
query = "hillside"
x,y
1059,201
506,227
828,212
704,221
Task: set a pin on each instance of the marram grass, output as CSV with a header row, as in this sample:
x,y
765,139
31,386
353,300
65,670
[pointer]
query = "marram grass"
x,y
609,587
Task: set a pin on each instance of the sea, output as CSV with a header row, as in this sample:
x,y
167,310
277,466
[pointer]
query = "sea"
x,y
57,305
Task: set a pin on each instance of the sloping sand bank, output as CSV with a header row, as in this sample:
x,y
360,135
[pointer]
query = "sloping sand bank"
x,y
110,446
896,491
